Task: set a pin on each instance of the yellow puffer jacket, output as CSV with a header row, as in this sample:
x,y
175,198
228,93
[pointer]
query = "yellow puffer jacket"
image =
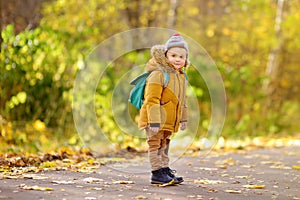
x,y
163,107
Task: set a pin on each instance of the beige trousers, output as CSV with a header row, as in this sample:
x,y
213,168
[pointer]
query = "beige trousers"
x,y
158,148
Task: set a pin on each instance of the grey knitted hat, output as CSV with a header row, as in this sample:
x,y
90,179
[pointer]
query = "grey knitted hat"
x,y
176,40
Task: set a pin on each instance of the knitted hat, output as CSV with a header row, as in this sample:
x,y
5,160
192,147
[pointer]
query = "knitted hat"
x,y
176,40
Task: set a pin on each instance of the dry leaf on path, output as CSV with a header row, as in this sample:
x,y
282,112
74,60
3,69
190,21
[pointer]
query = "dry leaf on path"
x,y
63,182
10,176
140,197
254,186
296,166
96,188
206,168
227,161
35,187
206,181
123,182
242,177
35,177
233,191
92,180
269,162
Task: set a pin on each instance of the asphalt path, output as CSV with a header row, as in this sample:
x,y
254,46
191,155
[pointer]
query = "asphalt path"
x,y
253,174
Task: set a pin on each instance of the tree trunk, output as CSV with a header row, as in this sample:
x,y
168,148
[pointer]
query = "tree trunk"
x,y
173,13
272,69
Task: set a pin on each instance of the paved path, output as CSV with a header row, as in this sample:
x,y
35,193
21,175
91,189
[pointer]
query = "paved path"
x,y
256,174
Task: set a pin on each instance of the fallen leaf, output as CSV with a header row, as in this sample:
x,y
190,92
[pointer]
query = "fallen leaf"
x,y
10,177
206,181
206,168
224,175
296,166
123,182
280,167
227,161
248,166
140,197
63,182
35,177
222,166
233,191
92,180
242,177
35,187
212,190
96,188
271,163
254,186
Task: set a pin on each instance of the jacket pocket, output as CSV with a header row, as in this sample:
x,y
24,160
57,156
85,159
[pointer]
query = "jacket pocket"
x,y
168,113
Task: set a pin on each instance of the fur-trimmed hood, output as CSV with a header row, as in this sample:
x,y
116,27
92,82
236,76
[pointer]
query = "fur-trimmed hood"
x,y
159,60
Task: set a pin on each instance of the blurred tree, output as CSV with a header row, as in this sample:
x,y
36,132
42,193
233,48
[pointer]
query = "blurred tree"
x,y
22,13
271,83
173,13
41,56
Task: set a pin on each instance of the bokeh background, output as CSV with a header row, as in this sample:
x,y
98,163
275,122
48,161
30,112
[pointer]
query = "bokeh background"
x,y
44,44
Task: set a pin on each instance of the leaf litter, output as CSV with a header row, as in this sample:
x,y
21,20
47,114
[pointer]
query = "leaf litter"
x,y
35,187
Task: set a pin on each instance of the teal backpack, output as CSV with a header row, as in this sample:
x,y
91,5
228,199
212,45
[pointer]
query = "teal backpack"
x,y
136,95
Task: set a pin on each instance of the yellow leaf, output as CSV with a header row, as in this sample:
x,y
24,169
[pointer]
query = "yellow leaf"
x,y
123,182
140,197
271,162
222,166
91,162
48,164
296,166
227,161
254,186
96,188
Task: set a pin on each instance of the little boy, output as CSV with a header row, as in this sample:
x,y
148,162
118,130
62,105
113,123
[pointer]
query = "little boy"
x,y
164,108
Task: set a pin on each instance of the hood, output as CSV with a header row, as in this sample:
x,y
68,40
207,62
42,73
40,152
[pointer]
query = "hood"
x,y
159,60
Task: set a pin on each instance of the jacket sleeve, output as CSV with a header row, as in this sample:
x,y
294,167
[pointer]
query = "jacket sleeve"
x,y
184,117
184,113
152,95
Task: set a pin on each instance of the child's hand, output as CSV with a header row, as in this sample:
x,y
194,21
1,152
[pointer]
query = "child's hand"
x,y
154,129
183,126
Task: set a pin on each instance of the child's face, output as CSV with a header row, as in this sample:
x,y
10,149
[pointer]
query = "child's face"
x,y
177,57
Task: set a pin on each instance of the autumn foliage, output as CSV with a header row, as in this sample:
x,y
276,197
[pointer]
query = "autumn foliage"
x,y
39,64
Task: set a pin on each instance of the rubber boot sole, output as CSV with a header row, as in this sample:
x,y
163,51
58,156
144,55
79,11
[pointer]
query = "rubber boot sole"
x,y
161,184
177,182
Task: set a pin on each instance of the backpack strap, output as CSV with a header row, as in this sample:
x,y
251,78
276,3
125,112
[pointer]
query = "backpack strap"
x,y
185,75
140,77
166,78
